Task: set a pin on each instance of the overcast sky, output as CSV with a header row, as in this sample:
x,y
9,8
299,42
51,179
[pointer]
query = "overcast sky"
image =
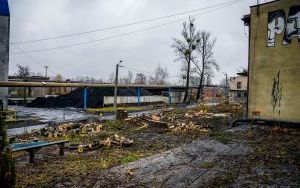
x,y
36,19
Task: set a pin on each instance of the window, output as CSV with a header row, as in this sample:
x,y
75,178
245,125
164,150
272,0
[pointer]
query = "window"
x,y
239,85
239,95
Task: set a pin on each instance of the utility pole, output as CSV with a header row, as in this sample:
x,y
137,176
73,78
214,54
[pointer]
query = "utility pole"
x,y
46,71
226,83
116,84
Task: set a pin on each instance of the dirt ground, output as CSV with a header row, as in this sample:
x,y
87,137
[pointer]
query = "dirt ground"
x,y
198,149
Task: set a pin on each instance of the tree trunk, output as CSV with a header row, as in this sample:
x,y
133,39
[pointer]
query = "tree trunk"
x,y
187,82
199,92
7,165
200,87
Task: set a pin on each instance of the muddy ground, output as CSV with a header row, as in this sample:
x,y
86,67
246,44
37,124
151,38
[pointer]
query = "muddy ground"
x,y
213,155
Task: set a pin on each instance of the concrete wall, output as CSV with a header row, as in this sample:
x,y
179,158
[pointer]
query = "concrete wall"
x,y
108,100
4,56
274,63
131,99
238,96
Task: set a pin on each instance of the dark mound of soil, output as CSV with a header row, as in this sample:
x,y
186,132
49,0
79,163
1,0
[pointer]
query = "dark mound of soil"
x,y
75,98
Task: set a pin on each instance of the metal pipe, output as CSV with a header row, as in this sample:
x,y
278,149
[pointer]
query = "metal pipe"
x,y
56,84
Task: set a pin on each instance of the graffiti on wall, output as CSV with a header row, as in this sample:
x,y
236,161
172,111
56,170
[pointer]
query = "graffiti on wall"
x,y
278,23
277,92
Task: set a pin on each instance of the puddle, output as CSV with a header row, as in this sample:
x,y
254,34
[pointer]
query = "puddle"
x,y
57,115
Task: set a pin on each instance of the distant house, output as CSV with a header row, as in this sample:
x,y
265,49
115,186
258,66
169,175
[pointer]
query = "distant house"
x,y
238,88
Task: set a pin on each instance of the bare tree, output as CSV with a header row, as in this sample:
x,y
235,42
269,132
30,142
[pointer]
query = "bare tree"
x,y
206,64
23,71
160,77
208,80
243,71
184,49
58,78
127,79
223,83
140,78
194,76
111,78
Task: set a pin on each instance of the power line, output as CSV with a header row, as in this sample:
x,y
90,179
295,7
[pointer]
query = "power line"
x,y
32,58
123,25
140,70
128,33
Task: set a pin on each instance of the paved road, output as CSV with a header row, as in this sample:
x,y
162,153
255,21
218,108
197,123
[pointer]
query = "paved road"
x,y
191,165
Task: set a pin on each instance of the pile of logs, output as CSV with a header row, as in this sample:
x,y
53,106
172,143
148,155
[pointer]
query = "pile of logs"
x,y
189,128
109,142
69,129
153,120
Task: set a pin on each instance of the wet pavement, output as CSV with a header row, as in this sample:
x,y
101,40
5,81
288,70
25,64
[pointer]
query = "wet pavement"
x,y
56,115
49,114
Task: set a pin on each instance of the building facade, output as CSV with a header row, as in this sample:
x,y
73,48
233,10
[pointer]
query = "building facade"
x,y
274,60
238,88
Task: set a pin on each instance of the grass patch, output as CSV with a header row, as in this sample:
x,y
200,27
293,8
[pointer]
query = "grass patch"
x,y
227,179
111,109
177,111
114,125
223,137
207,165
262,149
129,158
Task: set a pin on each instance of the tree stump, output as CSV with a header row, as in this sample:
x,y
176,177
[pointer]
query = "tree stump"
x,y
121,114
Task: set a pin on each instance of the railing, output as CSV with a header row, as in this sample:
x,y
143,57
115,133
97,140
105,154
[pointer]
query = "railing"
x,y
9,115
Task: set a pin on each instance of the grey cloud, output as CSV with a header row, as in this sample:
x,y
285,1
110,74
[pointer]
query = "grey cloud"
x,y
33,19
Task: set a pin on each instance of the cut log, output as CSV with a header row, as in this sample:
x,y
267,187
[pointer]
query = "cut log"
x,y
159,124
155,117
